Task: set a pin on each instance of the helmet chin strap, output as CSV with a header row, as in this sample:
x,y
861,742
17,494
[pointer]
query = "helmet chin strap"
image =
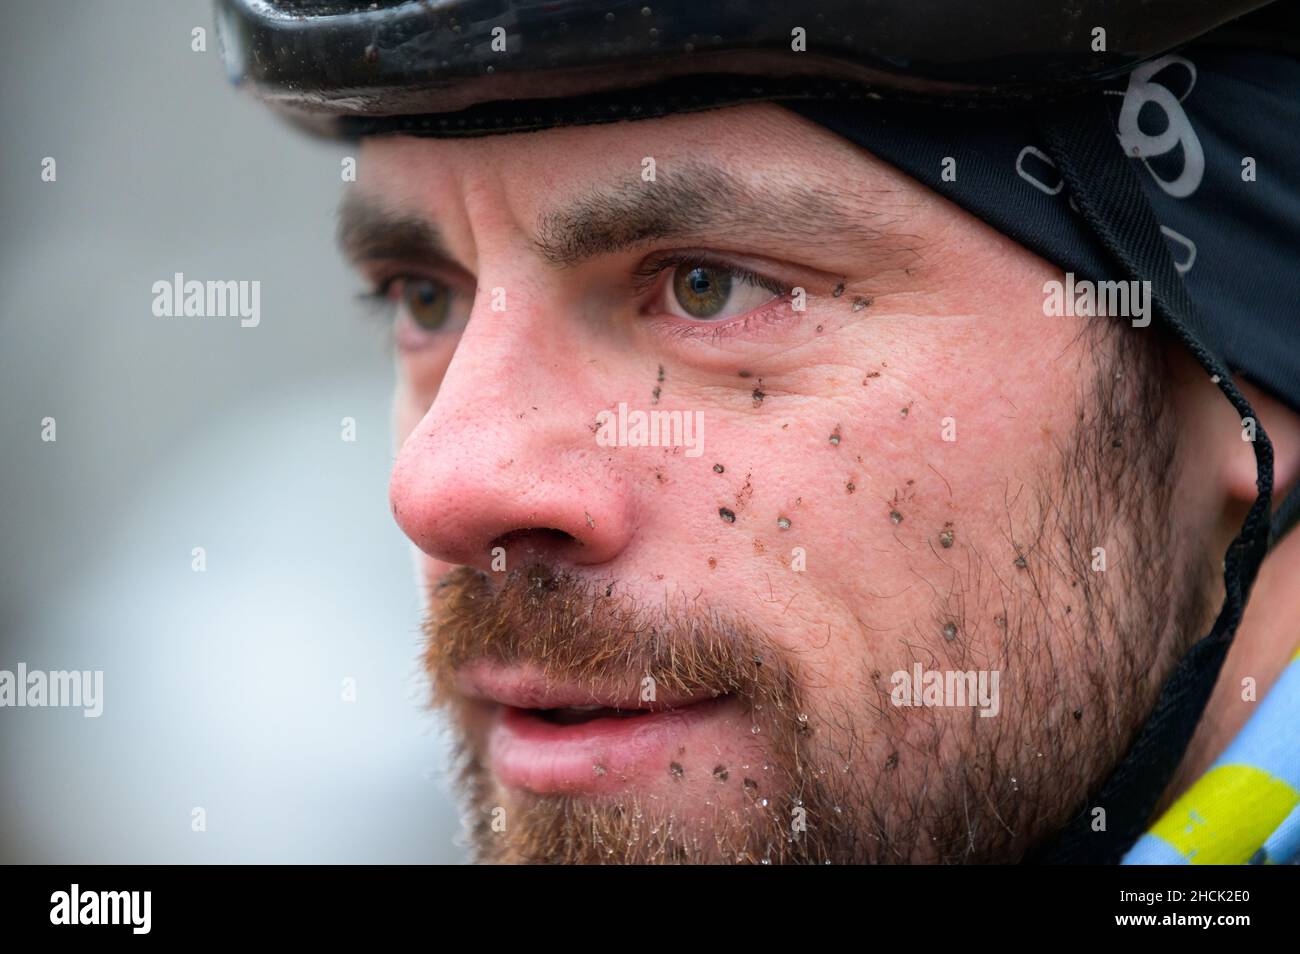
x,y
1082,142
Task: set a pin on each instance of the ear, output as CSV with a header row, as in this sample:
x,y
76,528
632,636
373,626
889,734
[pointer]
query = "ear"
x,y
1283,428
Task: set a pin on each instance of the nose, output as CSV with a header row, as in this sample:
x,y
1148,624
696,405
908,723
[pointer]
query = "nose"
x,y
507,456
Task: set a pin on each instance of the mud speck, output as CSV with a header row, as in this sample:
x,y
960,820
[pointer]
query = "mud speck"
x,y
860,303
839,290
1020,561
675,770
904,411
783,523
895,517
946,536
950,631
751,786
718,468
727,515
720,773
892,761
1078,714
713,563
660,378
836,436
654,395
850,487
758,393
598,768
745,374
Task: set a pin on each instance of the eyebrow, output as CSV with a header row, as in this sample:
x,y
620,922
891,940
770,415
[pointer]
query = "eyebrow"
x,y
369,231
694,201
698,200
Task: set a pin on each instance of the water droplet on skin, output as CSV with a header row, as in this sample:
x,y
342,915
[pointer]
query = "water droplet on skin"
x,y
783,523
895,517
949,632
755,729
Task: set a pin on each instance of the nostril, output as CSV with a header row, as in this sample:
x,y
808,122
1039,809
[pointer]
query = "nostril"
x,y
534,540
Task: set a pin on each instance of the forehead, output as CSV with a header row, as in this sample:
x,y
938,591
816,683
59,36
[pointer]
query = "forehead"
x,y
761,145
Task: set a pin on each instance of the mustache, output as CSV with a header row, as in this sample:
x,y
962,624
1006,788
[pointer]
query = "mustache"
x,y
586,632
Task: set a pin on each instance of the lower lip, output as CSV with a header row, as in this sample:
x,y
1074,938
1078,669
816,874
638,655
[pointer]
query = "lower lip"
x,y
602,755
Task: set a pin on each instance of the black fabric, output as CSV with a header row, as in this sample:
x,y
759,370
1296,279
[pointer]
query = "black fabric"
x,y
1109,197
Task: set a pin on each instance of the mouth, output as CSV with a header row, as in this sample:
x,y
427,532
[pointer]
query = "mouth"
x,y
549,738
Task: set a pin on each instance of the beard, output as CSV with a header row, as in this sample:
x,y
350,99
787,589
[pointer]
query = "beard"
x,y
846,777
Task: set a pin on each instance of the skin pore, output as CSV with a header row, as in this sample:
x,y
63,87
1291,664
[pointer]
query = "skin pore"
x,y
914,467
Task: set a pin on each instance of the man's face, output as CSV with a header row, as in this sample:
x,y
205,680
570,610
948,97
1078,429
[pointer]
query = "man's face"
x,y
716,634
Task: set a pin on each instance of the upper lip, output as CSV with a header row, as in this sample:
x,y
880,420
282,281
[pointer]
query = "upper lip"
x,y
527,687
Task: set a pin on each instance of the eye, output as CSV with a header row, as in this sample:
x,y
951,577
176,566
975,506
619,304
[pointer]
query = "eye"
x,y
426,303
703,291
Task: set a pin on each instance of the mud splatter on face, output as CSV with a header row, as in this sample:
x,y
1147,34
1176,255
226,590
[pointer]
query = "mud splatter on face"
x,y
728,516
946,536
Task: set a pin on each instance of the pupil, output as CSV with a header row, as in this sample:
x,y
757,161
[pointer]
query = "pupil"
x,y
702,291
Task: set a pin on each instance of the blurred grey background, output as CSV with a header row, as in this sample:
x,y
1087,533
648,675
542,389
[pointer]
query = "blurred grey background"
x,y
223,689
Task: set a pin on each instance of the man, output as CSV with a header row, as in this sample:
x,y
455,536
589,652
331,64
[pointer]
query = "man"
x,y
773,506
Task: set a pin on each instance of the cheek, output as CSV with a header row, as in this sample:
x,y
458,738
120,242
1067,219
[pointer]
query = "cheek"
x,y
866,504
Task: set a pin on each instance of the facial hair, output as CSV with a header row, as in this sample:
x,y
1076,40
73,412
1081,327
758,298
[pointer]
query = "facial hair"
x,y
858,780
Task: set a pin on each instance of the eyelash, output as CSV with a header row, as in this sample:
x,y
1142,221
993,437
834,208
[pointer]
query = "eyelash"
x,y
647,274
